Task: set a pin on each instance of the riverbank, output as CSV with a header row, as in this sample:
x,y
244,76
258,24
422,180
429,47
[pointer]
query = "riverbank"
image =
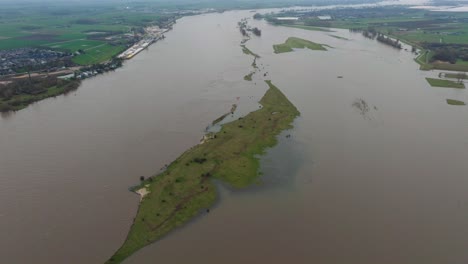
x,y
186,188
13,98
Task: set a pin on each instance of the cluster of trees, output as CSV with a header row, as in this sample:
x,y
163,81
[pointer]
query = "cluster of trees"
x,y
35,86
389,41
372,33
243,28
447,52
257,32
104,67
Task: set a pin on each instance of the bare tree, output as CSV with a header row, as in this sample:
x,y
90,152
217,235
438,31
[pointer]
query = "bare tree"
x,y
461,76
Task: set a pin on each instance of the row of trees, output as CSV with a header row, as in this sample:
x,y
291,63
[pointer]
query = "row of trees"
x,y
389,41
372,33
257,32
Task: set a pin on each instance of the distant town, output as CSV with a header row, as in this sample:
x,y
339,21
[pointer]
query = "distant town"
x,y
22,62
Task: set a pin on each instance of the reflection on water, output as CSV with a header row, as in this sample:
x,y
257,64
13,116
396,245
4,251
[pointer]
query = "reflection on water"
x,y
339,189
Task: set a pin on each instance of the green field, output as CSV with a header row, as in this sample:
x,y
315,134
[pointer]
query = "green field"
x,y
98,54
455,102
297,43
74,45
186,188
445,83
71,27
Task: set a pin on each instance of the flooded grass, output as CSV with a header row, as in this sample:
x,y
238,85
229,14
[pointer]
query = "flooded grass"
x,y
249,52
297,43
186,188
445,83
338,37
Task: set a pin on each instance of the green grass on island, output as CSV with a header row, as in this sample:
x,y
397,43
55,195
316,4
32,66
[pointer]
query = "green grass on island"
x,y
248,77
445,83
186,188
297,43
455,102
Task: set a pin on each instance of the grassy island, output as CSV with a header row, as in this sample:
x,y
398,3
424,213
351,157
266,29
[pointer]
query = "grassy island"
x,y
186,188
297,43
248,77
445,83
455,102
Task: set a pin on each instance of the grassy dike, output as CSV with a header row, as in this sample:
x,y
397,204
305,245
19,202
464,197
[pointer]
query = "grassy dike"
x,y
186,188
297,43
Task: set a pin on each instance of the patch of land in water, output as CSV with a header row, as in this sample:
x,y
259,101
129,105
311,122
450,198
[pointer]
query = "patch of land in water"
x,y
249,52
445,83
297,43
248,77
186,188
455,102
338,37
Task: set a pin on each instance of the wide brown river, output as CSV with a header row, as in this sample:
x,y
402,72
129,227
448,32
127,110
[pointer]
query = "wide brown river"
x,y
387,185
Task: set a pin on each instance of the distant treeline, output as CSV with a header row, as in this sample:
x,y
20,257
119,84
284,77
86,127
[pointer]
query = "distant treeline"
x,y
447,52
372,33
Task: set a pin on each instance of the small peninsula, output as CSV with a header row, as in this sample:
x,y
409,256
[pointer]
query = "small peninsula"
x,y
186,188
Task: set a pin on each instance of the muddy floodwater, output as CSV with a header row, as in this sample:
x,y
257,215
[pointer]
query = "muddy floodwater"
x,y
375,171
